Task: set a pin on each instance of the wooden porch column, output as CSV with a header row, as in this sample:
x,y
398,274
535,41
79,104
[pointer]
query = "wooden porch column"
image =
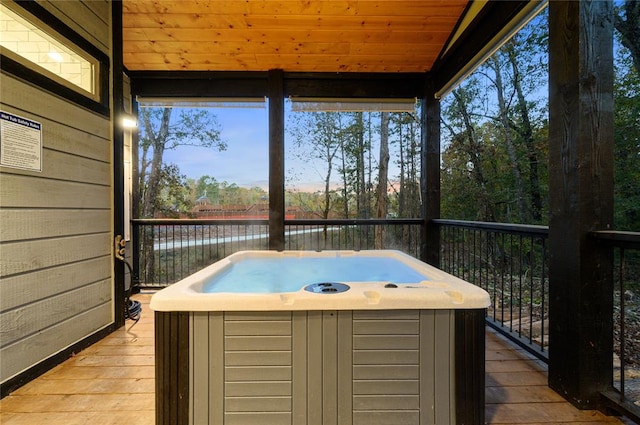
x,y
276,160
581,198
430,174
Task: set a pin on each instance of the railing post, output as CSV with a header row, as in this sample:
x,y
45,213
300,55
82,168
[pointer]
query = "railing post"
x,y
430,175
581,198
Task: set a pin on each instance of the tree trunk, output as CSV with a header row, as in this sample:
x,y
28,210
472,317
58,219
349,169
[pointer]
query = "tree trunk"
x,y
402,195
485,209
152,188
158,145
361,185
494,64
527,134
383,171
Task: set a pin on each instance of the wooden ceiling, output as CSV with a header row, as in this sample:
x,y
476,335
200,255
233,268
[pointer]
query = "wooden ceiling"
x,y
297,36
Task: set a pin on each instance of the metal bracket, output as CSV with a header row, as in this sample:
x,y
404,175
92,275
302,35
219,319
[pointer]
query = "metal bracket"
x,y
120,243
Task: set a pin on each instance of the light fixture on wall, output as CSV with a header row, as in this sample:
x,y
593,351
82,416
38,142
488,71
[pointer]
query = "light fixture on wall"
x,y
128,121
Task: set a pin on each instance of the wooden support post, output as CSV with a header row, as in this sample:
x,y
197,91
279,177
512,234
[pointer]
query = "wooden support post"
x,y
276,160
118,159
581,198
430,175
172,365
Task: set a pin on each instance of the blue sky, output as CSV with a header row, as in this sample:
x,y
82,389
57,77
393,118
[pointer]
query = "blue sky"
x,y
245,162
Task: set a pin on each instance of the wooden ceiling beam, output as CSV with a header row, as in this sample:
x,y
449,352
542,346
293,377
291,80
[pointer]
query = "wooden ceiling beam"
x,y
255,84
489,22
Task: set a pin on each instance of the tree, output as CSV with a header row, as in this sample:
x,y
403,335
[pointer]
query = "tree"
x,y
160,133
627,141
497,134
628,26
158,182
317,136
383,176
466,147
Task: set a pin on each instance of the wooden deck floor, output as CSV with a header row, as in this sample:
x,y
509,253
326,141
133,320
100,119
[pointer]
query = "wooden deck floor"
x,y
112,382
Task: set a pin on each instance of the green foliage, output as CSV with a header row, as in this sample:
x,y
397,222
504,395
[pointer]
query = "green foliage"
x,y
494,164
172,199
162,190
627,143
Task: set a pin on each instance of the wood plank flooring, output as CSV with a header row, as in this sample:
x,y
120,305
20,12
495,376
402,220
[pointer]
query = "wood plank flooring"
x,y
112,382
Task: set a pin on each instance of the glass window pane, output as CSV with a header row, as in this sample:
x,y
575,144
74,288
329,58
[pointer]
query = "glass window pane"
x,y
34,43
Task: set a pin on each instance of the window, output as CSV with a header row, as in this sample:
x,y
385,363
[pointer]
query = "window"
x,y
36,46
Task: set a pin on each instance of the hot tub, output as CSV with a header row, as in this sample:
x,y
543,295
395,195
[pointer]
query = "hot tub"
x,y
332,337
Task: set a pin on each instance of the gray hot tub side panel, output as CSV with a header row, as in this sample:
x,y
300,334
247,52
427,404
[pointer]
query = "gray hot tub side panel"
x,y
324,367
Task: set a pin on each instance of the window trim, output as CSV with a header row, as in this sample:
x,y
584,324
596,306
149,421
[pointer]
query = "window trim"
x,y
42,80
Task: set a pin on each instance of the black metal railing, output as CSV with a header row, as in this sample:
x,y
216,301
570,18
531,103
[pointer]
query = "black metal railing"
x,y
509,261
362,234
170,250
626,321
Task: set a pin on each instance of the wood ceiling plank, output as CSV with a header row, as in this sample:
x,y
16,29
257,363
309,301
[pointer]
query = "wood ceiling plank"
x,y
280,35
184,59
214,47
294,7
299,22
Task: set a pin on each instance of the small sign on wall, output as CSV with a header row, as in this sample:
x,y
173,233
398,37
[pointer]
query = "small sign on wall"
x,y
20,142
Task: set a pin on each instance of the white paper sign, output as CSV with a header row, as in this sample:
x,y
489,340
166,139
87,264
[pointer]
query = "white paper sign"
x,y
20,142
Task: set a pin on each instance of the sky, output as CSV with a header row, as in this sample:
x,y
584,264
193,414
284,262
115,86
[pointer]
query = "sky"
x,y
244,162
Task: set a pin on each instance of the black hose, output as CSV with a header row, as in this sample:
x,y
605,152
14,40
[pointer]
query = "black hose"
x,y
132,308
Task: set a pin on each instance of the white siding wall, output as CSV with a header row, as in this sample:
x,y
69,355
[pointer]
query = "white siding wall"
x,y
55,226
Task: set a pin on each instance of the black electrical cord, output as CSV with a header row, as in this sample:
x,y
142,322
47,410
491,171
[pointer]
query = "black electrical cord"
x,y
132,308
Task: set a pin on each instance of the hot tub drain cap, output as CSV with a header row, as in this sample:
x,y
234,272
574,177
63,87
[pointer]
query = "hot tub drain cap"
x,y
326,287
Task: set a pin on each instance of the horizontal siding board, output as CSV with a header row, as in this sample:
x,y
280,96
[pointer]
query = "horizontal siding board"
x,y
253,343
385,342
21,257
21,224
257,316
40,104
383,387
31,287
258,373
258,404
386,418
385,327
257,418
83,19
261,389
386,402
62,166
62,138
386,372
20,356
33,318
264,327
261,358
376,357
32,192
386,314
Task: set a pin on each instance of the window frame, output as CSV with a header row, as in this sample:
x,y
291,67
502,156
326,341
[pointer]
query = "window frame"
x,y
26,70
